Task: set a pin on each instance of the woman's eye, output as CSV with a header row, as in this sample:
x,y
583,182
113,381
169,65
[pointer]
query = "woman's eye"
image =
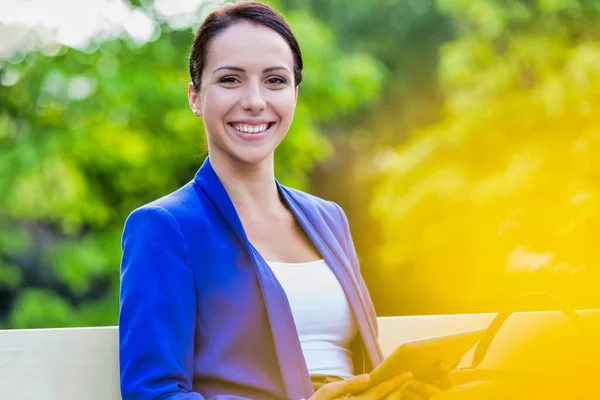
x,y
229,80
276,80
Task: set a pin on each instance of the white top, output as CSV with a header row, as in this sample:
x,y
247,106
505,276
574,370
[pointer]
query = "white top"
x,y
322,315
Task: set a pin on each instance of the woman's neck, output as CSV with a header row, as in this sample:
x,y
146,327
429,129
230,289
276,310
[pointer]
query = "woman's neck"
x,y
251,187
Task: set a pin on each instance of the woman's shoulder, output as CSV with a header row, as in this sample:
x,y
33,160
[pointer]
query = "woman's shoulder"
x,y
181,205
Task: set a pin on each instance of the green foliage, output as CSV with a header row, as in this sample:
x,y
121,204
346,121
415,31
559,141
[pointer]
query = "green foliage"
x,y
466,152
87,136
35,308
404,35
10,276
397,32
501,196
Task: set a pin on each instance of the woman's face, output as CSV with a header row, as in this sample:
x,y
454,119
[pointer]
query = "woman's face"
x,y
248,95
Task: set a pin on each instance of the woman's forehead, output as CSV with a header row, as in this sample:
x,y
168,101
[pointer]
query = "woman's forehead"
x,y
245,43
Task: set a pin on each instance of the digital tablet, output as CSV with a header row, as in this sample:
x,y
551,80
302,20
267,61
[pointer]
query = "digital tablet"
x,y
422,357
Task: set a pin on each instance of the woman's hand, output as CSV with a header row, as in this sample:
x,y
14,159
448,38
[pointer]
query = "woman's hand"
x,y
357,388
419,391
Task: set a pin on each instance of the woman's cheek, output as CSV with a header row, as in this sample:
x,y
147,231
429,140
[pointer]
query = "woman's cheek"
x,y
286,101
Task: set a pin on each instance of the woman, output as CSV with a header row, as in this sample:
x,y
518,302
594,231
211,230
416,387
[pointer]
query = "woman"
x,y
234,285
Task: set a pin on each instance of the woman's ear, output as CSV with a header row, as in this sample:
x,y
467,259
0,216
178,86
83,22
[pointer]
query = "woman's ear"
x,y
194,100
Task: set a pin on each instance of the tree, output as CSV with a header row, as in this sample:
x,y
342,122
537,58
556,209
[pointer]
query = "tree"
x,y
500,196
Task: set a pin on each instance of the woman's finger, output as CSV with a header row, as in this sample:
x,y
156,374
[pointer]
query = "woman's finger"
x,y
333,390
380,391
445,374
398,393
423,389
408,395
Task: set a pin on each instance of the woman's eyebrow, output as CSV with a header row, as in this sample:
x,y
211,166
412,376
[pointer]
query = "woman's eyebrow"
x,y
238,69
271,69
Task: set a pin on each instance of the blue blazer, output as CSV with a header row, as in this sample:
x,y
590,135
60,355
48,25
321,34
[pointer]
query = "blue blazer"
x,y
202,315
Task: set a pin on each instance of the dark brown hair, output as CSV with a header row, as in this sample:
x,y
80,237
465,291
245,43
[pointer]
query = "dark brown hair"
x,y
246,11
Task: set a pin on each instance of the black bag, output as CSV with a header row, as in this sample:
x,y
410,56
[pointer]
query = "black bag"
x,y
540,355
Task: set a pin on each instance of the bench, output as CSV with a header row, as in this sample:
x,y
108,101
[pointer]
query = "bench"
x,y
82,363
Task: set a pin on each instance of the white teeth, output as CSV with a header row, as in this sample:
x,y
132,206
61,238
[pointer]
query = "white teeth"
x,y
251,128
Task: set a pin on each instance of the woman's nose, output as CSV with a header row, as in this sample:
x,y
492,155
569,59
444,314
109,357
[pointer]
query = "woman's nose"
x,y
253,99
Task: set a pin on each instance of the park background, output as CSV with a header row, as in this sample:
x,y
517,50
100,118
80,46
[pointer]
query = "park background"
x,y
461,137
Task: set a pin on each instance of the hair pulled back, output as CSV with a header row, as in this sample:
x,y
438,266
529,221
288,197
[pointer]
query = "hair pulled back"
x,y
246,11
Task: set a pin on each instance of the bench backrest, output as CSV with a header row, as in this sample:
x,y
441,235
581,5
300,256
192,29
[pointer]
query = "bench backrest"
x,y
82,363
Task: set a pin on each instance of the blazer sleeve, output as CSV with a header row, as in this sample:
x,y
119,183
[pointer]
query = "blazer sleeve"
x,y
351,254
157,318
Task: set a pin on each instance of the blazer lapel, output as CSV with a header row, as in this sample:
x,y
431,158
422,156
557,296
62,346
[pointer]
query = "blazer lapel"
x,y
324,240
212,187
294,372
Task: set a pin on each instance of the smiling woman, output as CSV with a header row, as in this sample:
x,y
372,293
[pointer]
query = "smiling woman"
x,y
235,286
246,91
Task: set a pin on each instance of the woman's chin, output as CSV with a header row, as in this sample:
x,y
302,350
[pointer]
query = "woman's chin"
x,y
252,155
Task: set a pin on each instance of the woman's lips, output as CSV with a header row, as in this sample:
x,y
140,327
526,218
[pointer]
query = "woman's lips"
x,y
251,136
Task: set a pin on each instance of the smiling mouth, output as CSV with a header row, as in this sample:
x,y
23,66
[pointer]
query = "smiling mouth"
x,y
248,128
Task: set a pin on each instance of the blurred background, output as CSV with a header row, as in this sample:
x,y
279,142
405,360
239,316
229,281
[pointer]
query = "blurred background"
x,y
462,138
